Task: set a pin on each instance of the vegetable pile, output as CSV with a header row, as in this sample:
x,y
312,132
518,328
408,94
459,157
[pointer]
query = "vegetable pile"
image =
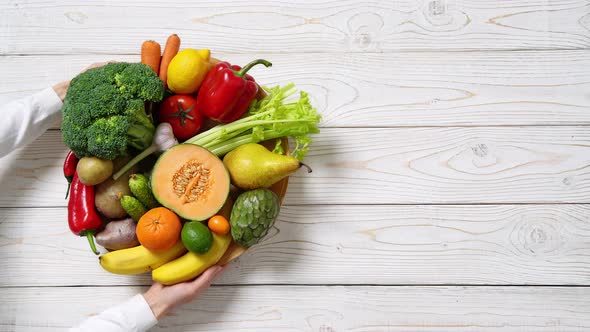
x,y
176,209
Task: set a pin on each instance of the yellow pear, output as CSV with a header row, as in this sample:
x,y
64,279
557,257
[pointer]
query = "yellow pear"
x,y
252,166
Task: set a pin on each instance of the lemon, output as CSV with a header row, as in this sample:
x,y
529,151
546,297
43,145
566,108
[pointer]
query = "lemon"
x,y
187,70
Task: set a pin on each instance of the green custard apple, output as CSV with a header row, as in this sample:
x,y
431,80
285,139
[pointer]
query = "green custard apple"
x,y
252,216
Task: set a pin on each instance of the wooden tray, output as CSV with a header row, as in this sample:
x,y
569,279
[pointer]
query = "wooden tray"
x,y
280,188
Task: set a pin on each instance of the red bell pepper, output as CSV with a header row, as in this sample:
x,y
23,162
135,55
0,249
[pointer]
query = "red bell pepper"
x,y
227,91
70,164
82,216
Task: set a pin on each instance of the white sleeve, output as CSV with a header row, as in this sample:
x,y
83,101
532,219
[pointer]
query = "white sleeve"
x,y
23,120
134,315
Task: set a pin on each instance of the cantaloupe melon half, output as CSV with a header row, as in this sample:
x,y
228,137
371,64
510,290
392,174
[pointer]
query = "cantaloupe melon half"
x,y
190,181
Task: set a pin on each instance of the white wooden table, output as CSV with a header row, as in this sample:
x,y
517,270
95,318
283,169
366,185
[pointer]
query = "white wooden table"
x,y
451,178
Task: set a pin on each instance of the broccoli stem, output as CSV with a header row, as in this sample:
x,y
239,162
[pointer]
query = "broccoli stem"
x,y
140,131
140,136
153,148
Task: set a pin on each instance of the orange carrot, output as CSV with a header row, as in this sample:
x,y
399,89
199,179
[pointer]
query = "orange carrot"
x,y
150,54
172,47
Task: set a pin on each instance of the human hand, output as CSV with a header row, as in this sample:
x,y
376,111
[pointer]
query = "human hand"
x,y
62,88
163,299
95,65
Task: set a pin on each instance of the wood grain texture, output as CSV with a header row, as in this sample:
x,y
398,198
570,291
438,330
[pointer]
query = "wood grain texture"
x,y
381,90
321,309
66,27
426,102
381,166
384,245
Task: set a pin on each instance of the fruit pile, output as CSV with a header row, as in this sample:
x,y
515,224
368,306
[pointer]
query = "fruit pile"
x,y
179,162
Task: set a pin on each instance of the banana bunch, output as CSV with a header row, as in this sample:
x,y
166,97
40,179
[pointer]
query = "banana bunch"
x,y
169,267
138,259
191,264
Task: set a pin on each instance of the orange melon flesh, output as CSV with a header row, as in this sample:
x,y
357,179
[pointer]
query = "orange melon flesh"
x,y
191,181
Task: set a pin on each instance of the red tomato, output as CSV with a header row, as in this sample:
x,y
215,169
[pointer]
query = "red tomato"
x,y
179,111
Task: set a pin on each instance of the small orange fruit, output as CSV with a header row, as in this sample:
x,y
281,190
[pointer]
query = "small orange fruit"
x,y
158,229
218,224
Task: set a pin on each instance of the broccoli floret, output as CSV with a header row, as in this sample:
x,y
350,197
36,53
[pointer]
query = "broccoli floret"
x,y
107,137
82,116
113,69
136,81
104,110
105,101
134,105
81,84
74,136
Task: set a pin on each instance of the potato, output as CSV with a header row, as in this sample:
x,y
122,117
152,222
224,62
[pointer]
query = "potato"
x,y
118,234
93,170
108,197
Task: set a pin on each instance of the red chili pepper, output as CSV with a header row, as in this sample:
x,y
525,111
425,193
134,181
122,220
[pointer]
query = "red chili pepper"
x,y
226,92
70,164
82,217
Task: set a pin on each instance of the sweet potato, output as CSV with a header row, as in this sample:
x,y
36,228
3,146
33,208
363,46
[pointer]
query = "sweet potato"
x,y
118,234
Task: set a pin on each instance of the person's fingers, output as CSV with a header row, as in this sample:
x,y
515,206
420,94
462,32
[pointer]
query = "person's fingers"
x,y
209,274
156,287
218,272
205,279
213,272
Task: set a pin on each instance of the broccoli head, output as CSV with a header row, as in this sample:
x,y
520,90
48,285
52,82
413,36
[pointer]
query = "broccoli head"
x,y
104,110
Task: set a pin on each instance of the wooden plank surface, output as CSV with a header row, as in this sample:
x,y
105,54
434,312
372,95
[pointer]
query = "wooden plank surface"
x,y
377,90
322,309
67,27
454,154
354,245
381,166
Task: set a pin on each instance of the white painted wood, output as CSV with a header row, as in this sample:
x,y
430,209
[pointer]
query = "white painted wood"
x,y
378,64
381,166
321,309
376,90
65,27
483,244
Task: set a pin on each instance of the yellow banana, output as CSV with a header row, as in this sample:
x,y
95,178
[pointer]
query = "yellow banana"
x,y
138,259
191,265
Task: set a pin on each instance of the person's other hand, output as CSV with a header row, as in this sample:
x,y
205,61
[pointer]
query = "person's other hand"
x,y
96,64
163,299
62,88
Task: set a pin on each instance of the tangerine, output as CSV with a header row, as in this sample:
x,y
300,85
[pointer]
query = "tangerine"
x,y
158,229
219,224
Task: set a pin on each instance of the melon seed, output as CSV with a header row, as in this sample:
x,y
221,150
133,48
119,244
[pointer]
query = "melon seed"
x,y
190,180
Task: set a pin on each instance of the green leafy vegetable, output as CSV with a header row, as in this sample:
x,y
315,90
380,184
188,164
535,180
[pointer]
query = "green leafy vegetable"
x,y
278,149
269,118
